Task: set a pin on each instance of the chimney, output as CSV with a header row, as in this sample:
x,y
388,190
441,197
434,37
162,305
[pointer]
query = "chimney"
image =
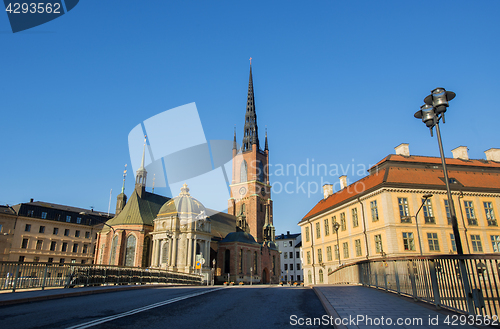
x,y
460,153
31,200
403,149
343,182
493,154
287,232
327,190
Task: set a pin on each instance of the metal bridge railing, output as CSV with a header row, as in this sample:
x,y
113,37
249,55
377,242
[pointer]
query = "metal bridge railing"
x,y
468,283
15,275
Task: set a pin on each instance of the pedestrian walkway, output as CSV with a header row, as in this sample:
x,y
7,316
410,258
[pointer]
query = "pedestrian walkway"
x,y
353,306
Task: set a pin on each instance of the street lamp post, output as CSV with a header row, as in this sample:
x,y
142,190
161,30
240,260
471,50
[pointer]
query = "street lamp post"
x,y
213,271
426,196
336,229
431,113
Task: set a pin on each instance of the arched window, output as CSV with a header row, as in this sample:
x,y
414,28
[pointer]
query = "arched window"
x,y
320,276
130,250
309,276
248,264
146,252
164,253
260,172
227,261
112,255
255,268
243,172
274,265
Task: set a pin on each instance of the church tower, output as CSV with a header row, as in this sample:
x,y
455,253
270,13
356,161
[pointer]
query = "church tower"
x,y
250,190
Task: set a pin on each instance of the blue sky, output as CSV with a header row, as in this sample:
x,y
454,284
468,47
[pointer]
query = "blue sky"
x,y
336,83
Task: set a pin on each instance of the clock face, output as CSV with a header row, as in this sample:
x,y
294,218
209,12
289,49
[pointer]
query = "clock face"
x,y
263,191
243,191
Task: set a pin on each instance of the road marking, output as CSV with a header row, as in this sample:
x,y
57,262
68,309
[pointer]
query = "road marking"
x,y
138,310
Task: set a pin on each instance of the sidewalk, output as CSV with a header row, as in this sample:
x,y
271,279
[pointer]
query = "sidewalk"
x,y
354,306
25,296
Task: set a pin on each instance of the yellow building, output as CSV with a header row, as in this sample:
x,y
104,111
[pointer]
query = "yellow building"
x,y
375,215
46,232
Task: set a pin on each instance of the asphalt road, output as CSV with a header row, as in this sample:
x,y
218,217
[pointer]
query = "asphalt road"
x,y
180,307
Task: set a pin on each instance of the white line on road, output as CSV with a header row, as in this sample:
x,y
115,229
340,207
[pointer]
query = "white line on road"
x,y
138,310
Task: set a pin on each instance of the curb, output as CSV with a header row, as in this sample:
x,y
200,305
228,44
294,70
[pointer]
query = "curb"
x,y
79,293
328,307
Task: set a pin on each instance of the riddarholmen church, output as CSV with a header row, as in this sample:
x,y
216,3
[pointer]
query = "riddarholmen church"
x,y
150,230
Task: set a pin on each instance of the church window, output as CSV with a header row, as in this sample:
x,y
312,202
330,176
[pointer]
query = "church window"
x,y
274,264
146,252
243,172
227,261
261,172
249,261
240,265
255,269
113,251
164,253
130,251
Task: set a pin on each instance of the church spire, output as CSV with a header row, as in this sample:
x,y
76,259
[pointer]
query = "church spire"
x,y
266,148
250,135
141,174
235,146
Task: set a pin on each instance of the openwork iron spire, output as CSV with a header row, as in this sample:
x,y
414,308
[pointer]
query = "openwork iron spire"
x,y
250,135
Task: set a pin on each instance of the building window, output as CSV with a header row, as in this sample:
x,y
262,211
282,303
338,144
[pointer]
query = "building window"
x,y
428,214
408,241
378,244
50,260
469,212
490,214
374,210
68,219
476,243
240,263
30,213
83,261
318,231
334,220
0,228
53,246
21,259
307,233
320,276
78,220
297,254
357,244
298,277
41,229
55,231
44,215
320,256
39,244
77,234
355,221
448,214
329,253
337,254
342,222
404,212
75,247
64,246
291,268
495,242
308,257
327,227
453,243
36,259
290,244
290,254
285,267
87,235
432,238
66,232
61,261
27,228
309,276
84,249
298,266
285,255
346,250
24,245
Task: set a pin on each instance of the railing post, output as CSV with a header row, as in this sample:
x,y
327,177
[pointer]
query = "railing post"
x,y
396,275
412,280
434,282
44,276
16,278
466,285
